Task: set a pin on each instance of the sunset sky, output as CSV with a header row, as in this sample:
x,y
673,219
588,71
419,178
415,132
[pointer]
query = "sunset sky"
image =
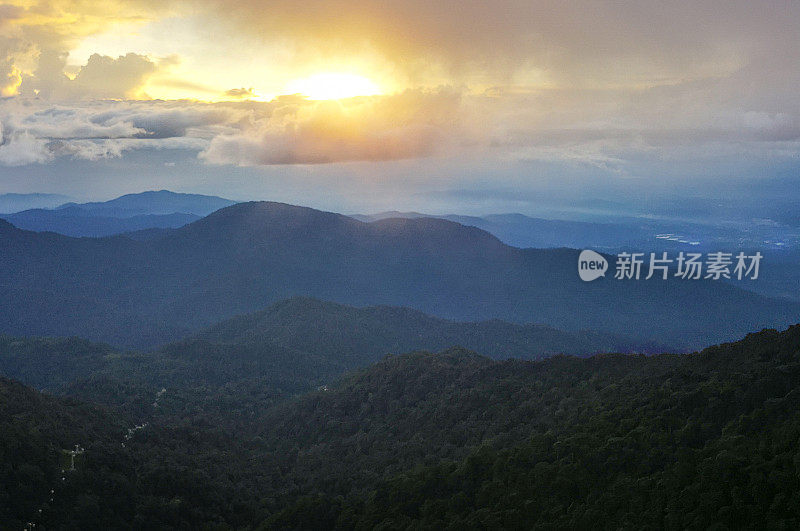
x,y
358,105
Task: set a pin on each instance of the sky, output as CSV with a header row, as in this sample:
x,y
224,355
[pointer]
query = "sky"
x,y
448,106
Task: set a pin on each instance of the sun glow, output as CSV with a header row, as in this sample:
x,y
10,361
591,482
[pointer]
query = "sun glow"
x,y
333,86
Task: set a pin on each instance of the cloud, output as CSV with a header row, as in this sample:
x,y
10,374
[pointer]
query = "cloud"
x,y
585,83
600,132
288,130
240,93
308,146
15,56
409,125
102,77
170,119
581,43
98,149
37,35
38,132
595,84
19,149
540,43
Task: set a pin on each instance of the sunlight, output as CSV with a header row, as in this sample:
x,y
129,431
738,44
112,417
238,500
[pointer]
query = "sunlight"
x,y
333,86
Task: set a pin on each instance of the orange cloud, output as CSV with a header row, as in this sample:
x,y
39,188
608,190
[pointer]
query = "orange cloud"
x,y
408,125
37,35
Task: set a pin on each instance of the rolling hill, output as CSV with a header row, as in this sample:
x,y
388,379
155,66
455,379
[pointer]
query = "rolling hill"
x,y
363,335
291,347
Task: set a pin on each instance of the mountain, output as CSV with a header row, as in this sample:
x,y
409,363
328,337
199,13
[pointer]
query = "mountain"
x,y
523,231
78,222
139,293
129,213
624,232
686,441
291,347
360,336
154,203
424,440
778,242
52,364
36,432
10,203
125,474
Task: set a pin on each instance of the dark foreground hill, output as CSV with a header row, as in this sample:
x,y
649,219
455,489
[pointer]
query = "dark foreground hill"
x,y
670,442
433,441
241,258
36,431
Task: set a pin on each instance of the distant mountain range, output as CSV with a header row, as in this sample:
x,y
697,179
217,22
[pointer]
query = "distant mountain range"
x,y
154,203
133,212
10,203
779,243
623,232
77,222
146,291
523,231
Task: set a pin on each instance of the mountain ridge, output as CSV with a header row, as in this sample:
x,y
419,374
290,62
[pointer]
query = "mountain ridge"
x,y
16,202
298,342
246,256
154,202
133,212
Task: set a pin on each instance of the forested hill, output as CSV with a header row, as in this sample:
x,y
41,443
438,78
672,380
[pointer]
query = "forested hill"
x,y
670,441
360,336
36,432
290,347
426,440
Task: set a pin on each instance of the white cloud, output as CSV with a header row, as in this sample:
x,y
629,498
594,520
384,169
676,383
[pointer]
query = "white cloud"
x,y
19,149
37,132
613,130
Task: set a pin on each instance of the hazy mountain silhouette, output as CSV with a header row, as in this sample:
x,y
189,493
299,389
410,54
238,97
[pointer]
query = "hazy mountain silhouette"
x,y
525,231
154,202
75,221
10,203
243,257
134,212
